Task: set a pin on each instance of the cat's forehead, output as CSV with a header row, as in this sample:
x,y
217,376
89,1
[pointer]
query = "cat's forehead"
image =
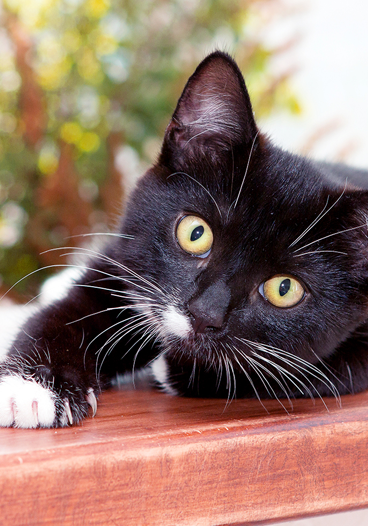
x,y
272,182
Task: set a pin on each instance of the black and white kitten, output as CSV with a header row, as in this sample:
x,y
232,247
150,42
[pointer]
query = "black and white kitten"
x,y
239,270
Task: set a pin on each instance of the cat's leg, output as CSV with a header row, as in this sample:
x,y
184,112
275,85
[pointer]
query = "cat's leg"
x,y
12,387
64,354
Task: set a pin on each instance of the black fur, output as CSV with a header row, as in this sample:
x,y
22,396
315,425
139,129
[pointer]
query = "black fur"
x,y
257,199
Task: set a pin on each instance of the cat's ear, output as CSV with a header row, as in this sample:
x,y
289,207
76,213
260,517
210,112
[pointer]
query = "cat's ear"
x,y
214,110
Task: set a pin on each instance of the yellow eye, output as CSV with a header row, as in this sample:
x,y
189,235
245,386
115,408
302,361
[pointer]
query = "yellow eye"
x,y
282,291
194,235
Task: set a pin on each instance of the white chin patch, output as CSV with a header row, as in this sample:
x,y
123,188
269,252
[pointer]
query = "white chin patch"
x,y
175,323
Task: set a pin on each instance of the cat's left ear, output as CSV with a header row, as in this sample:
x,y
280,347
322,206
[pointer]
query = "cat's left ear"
x,y
214,111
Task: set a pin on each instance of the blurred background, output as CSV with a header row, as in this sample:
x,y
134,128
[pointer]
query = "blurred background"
x,y
87,88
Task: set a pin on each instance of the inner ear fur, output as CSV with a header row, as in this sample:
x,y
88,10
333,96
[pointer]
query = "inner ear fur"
x,y
214,111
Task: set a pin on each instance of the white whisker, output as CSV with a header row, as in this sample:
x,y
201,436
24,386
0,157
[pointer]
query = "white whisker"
x,y
115,339
312,369
255,366
313,223
103,311
104,257
258,367
320,252
112,234
330,235
109,328
201,185
299,365
247,375
192,375
234,203
320,216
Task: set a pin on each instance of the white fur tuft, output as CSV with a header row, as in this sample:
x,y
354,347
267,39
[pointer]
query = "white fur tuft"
x,y
161,374
175,323
12,317
57,287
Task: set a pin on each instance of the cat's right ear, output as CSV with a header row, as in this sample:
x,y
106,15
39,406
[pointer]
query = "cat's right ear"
x,y
214,112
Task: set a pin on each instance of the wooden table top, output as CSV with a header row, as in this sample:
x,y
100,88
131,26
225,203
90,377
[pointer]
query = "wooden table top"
x,y
151,459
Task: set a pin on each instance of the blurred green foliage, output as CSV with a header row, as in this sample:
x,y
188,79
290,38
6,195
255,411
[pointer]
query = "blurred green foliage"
x,y
86,90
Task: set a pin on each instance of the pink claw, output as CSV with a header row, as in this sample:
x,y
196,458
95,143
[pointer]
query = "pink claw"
x,y
35,411
68,411
91,399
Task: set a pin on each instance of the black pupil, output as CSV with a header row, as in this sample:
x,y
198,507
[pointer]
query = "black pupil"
x,y
284,287
197,233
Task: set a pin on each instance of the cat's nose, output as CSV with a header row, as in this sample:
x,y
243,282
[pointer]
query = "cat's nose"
x,y
210,308
201,322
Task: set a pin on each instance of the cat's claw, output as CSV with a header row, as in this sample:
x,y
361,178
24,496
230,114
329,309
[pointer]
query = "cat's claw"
x,y
68,411
35,412
92,401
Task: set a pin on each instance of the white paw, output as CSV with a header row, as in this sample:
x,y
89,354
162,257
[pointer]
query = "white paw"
x,y
25,403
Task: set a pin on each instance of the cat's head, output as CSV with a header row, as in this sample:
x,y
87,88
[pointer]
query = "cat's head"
x,y
248,254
